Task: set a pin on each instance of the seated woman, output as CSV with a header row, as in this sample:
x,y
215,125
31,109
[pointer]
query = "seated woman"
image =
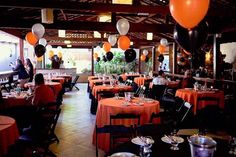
x,y
188,80
43,94
22,74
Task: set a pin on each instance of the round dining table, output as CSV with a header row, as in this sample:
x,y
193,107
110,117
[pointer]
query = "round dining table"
x,y
56,86
8,133
190,95
141,80
113,106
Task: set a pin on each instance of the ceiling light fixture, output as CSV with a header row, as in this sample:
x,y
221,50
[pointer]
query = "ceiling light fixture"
x,y
149,36
104,17
67,41
96,34
47,16
130,2
68,45
61,33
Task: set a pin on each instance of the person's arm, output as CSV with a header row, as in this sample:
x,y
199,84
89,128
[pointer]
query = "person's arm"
x,y
15,68
36,97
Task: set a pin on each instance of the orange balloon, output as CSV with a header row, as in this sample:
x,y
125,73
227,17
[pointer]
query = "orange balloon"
x,y
39,59
189,13
59,55
143,57
31,38
123,42
106,46
161,48
50,54
95,55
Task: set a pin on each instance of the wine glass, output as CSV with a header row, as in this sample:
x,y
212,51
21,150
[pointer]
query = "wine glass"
x,y
145,149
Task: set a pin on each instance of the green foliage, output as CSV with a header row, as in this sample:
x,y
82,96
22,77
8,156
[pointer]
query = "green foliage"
x,y
116,66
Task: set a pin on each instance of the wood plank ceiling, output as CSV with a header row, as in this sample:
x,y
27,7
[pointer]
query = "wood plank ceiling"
x,y
80,18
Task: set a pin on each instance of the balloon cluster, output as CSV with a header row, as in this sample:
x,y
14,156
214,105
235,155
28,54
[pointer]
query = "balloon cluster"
x,y
35,38
193,39
144,56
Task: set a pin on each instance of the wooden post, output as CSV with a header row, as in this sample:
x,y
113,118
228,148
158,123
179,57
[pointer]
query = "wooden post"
x,y
216,57
92,68
153,58
21,49
174,69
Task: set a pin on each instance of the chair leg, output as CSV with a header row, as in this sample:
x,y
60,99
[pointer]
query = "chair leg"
x,y
76,87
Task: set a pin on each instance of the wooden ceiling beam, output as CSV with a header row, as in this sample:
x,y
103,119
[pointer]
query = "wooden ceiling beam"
x,y
86,26
97,7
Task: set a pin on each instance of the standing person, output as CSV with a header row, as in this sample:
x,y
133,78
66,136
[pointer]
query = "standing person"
x,y
160,79
23,76
188,80
43,94
30,69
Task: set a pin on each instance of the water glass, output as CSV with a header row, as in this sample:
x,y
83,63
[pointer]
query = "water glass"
x,y
117,95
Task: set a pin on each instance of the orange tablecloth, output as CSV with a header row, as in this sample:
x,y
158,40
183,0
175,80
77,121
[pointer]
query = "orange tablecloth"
x,y
92,82
15,101
191,96
92,78
57,79
56,86
124,76
8,133
114,89
140,80
67,78
113,106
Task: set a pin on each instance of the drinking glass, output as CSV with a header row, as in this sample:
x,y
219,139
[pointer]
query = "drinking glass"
x,y
145,149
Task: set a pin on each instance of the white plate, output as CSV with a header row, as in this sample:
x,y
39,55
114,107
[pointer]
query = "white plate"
x,y
167,139
141,141
123,154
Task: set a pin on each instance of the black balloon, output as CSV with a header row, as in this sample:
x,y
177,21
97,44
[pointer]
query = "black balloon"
x,y
98,59
146,59
39,50
104,58
109,56
191,40
161,58
130,55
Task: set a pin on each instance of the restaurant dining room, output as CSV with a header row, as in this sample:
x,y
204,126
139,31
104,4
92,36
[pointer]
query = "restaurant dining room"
x,y
118,78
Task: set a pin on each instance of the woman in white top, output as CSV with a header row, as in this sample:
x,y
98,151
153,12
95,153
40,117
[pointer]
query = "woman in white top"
x,y
160,79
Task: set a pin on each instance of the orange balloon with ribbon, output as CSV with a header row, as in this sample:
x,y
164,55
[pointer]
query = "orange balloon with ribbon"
x,y
161,48
189,13
59,55
142,57
39,59
50,54
95,55
106,46
31,38
123,42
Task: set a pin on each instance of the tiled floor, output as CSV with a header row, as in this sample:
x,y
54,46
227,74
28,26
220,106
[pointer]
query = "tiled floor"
x,y
75,126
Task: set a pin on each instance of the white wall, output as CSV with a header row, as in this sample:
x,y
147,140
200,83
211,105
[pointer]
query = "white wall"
x,y
229,49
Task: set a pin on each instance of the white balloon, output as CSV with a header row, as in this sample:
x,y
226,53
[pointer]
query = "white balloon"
x,y
164,42
59,48
97,49
122,26
112,39
38,30
145,52
48,47
43,41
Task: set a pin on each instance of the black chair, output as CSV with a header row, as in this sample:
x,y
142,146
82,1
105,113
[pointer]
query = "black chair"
x,y
135,120
112,130
157,91
210,117
41,134
73,83
140,90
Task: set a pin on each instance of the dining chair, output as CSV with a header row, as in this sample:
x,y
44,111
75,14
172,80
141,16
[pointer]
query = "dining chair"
x,y
41,134
157,91
133,119
73,83
112,130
